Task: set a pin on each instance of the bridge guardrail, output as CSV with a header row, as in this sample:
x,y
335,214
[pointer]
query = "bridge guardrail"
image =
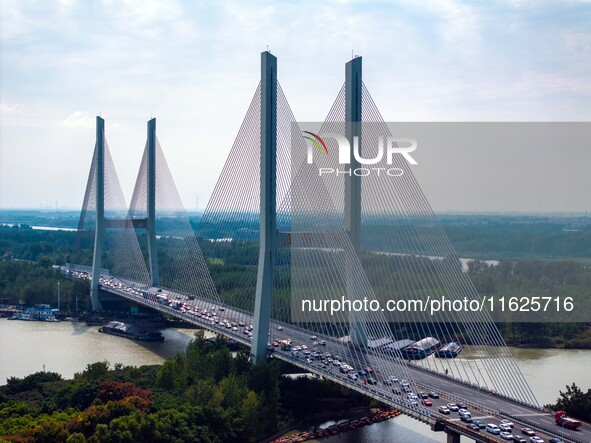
x,y
367,389
534,425
482,388
378,395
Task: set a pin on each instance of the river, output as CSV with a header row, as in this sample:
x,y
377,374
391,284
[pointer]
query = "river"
x,y
27,347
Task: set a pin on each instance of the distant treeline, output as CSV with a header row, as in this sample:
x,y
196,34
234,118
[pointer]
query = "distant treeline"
x,y
36,282
478,236
232,265
534,240
529,278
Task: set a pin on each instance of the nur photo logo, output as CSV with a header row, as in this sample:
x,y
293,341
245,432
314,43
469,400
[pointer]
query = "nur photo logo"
x,y
379,162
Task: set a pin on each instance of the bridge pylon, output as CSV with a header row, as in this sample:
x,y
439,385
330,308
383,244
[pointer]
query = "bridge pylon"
x,y
268,215
103,222
97,257
353,100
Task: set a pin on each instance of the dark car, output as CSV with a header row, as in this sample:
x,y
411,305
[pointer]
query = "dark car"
x,y
480,424
372,381
527,431
474,426
423,395
466,418
556,440
397,391
519,439
461,405
433,395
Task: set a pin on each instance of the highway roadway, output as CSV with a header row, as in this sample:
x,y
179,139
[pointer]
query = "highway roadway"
x,y
484,406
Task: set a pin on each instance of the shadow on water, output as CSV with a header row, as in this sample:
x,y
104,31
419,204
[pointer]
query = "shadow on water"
x,y
175,341
79,328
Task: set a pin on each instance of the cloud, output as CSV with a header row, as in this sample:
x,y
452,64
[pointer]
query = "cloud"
x,y
8,109
78,119
194,65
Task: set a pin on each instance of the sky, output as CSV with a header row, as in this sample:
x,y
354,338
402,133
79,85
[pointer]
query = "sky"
x,y
195,66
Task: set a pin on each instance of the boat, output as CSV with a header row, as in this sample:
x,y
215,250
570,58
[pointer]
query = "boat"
x,y
450,350
38,313
130,331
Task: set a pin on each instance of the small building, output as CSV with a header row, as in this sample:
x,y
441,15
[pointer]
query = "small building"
x,y
395,347
421,349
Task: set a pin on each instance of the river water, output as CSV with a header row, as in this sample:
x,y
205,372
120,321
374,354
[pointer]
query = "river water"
x,y
27,347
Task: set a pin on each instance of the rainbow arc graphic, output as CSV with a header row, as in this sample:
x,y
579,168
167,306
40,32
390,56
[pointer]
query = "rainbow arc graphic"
x,y
317,141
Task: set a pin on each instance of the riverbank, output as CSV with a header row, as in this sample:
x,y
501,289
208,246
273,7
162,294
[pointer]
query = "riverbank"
x,y
368,417
67,348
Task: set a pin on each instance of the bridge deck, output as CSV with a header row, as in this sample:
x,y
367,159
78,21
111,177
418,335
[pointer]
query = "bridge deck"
x,y
485,406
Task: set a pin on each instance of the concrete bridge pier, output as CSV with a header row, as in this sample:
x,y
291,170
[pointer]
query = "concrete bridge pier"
x,y
452,436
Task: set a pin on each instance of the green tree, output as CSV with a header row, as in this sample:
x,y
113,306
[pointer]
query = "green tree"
x,y
253,417
575,402
76,437
232,391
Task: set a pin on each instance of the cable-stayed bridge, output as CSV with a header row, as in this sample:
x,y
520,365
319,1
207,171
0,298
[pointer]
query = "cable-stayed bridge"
x,y
276,232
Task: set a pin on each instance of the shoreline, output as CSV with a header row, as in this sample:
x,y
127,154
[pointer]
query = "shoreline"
x,y
5,314
345,420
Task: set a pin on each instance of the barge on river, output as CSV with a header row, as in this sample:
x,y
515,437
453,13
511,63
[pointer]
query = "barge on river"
x,y
130,331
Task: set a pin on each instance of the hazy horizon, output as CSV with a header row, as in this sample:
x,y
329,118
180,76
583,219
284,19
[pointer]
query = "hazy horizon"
x,y
196,66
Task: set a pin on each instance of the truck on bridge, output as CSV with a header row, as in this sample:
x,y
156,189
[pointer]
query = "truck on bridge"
x,y
566,422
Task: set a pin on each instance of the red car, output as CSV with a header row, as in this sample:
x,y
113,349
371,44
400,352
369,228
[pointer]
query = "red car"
x,y
427,402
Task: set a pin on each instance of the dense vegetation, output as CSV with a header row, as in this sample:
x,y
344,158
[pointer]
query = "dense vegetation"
x,y
233,268
36,282
202,395
528,278
477,236
575,402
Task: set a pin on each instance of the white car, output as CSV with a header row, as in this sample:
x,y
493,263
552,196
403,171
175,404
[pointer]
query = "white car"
x,y
492,429
507,422
506,436
452,407
536,439
504,427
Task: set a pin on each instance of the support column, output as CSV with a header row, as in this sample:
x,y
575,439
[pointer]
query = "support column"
x,y
97,259
452,436
151,204
353,82
264,288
